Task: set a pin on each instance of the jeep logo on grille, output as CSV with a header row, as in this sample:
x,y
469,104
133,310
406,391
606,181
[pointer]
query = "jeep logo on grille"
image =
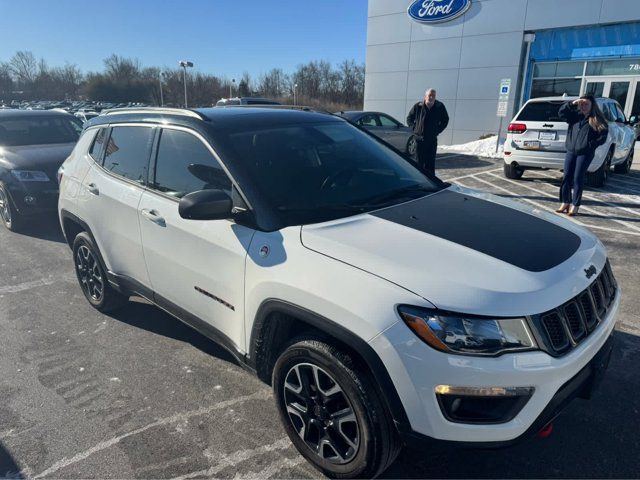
x,y
590,272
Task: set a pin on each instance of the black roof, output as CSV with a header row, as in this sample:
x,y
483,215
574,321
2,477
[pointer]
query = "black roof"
x,y
218,118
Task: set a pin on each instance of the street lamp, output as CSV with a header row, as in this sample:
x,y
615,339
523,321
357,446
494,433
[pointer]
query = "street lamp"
x,y
295,85
184,64
161,97
231,85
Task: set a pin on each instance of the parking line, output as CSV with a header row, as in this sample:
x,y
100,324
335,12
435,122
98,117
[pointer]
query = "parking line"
x,y
591,210
544,207
448,155
454,179
586,195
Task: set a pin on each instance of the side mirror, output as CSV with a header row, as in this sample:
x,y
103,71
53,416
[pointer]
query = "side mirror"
x,y
206,205
633,120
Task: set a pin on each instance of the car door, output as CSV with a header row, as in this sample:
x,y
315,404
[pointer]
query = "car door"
x,y
195,266
396,134
112,190
627,136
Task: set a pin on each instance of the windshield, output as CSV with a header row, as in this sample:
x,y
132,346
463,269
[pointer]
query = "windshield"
x,y
321,171
38,130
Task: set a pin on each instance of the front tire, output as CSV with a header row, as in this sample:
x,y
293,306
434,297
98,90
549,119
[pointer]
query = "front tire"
x,y
513,171
412,146
332,412
92,276
9,216
599,177
625,166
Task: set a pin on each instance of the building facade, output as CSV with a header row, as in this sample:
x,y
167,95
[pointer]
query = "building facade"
x,y
545,47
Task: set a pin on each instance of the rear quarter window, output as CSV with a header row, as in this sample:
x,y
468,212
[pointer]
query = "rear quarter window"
x,y
540,112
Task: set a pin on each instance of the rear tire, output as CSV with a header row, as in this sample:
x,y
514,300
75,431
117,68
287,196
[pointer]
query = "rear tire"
x,y
332,412
513,171
625,166
92,276
8,214
599,177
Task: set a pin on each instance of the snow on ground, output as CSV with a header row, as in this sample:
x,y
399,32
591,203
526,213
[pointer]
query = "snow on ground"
x,y
478,148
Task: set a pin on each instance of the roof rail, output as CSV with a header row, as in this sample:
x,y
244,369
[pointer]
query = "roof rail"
x,y
168,111
304,108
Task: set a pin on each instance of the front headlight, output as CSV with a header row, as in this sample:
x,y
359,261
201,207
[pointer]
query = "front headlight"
x,y
30,175
468,334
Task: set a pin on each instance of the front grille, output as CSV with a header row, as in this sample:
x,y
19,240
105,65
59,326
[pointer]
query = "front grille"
x,y
564,327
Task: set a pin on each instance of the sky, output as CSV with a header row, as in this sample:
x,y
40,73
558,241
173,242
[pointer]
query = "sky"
x,y
221,37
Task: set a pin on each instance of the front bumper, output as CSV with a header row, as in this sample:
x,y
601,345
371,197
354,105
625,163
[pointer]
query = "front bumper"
x,y
416,369
31,198
581,385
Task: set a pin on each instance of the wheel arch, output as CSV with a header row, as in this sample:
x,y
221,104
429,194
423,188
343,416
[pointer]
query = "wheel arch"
x,y
277,322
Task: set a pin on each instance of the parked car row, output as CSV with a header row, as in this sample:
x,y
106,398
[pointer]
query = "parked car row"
x,y
361,290
536,138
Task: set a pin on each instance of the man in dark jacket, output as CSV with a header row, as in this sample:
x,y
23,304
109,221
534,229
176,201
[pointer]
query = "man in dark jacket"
x,y
428,118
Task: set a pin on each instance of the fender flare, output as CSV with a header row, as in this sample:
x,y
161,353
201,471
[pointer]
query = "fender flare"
x,y
371,359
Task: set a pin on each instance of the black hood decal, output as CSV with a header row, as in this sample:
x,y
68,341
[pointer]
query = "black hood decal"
x,y
503,233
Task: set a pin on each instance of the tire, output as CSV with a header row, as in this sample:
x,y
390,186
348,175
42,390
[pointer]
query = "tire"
x,y
412,147
599,177
625,166
313,377
92,276
513,171
8,214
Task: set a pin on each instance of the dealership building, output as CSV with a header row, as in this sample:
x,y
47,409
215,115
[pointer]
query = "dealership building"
x,y
486,57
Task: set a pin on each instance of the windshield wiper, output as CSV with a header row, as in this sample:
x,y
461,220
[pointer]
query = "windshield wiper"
x,y
404,192
320,208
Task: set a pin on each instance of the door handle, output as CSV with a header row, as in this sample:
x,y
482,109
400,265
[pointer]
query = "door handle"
x,y
153,216
93,189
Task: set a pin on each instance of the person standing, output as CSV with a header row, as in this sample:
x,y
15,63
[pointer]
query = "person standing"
x,y
428,118
588,129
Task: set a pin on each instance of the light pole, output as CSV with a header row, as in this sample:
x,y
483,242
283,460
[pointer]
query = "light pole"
x,y
184,64
231,85
295,85
161,97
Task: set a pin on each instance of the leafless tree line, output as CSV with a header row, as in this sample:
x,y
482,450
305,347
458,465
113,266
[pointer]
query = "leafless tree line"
x,y
318,83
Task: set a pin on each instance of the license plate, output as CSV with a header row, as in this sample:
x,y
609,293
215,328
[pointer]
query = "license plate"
x,y
531,144
547,136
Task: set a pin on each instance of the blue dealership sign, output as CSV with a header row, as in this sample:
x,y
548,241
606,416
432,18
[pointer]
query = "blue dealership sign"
x,y
433,11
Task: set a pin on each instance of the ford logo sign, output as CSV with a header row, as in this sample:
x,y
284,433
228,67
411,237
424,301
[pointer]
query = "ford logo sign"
x,y
433,11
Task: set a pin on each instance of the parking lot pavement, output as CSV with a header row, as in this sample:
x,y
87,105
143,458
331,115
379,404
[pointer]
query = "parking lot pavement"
x,y
136,394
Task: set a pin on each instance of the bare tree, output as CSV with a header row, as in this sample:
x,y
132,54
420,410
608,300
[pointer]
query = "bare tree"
x,y
23,66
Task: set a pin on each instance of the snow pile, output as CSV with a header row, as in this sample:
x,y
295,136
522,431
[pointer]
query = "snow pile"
x,y
478,148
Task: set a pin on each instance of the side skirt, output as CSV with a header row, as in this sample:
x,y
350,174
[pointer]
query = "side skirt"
x,y
129,286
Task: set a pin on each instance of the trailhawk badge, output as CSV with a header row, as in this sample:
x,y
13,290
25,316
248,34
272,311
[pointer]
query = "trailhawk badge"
x,y
591,271
433,11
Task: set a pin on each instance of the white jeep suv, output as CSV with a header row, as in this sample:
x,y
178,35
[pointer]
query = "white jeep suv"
x,y
536,138
383,306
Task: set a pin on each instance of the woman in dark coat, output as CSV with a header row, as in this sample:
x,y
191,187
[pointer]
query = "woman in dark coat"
x,y
588,130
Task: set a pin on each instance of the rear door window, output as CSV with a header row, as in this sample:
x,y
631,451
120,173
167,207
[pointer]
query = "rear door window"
x,y
540,112
185,165
127,152
369,120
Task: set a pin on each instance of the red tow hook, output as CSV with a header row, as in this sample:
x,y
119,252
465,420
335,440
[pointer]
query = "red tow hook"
x,y
546,431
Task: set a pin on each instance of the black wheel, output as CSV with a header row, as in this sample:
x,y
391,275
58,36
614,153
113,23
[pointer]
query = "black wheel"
x,y
599,177
412,147
8,213
332,412
513,171
625,166
92,276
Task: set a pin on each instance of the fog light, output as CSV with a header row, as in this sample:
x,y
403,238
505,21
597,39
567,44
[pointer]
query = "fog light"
x,y
30,200
482,404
